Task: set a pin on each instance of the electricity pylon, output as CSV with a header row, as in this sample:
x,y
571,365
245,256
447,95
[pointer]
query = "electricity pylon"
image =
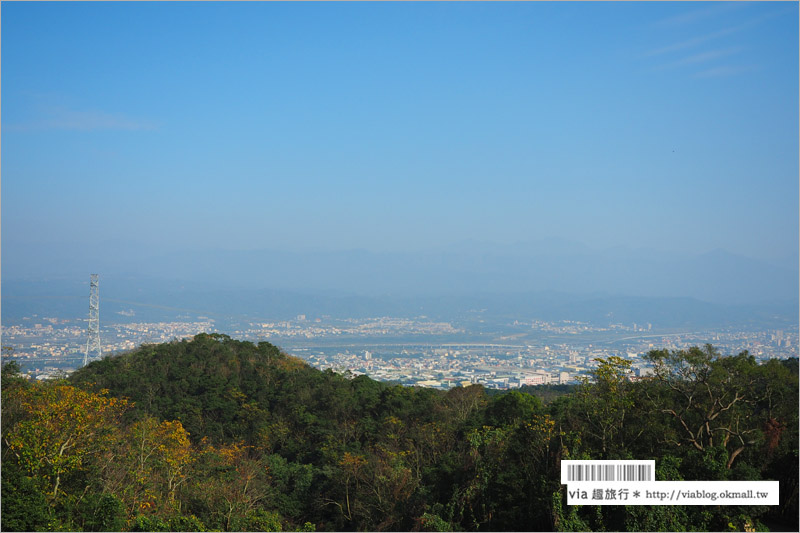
x,y
93,328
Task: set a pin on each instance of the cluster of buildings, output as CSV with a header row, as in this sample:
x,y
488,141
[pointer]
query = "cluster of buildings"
x,y
491,365
411,351
349,327
48,347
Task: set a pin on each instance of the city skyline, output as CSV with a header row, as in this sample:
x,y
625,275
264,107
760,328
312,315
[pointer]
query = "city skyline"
x,y
415,351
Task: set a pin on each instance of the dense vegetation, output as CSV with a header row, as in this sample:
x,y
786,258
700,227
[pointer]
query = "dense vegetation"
x,y
218,434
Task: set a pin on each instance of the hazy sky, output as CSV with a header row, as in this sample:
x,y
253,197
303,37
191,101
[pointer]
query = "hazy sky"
x,y
401,126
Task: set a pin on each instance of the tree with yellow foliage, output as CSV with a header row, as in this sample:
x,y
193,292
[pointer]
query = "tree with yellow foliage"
x,y
61,429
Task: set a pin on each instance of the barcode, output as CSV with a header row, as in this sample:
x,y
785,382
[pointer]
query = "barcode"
x,y
609,473
575,471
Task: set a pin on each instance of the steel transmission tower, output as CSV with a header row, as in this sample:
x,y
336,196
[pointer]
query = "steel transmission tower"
x,y
93,340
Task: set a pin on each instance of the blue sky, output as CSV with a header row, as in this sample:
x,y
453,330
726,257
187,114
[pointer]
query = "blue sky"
x,y
400,126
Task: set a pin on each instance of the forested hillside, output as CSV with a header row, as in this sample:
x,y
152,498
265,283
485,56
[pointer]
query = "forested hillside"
x,y
219,434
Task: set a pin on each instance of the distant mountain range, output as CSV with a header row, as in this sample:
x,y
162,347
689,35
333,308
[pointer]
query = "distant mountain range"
x,y
466,268
136,300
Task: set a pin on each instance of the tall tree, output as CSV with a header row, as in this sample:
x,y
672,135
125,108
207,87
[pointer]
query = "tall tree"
x,y
712,400
63,429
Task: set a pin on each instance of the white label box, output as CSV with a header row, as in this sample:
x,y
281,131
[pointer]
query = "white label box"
x,y
673,493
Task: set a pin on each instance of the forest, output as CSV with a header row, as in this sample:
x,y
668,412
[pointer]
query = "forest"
x,y
216,434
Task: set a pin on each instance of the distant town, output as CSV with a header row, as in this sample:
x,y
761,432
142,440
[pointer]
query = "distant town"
x,y
411,351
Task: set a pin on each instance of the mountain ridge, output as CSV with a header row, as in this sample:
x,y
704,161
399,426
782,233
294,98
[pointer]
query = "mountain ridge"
x,y
715,276
157,300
